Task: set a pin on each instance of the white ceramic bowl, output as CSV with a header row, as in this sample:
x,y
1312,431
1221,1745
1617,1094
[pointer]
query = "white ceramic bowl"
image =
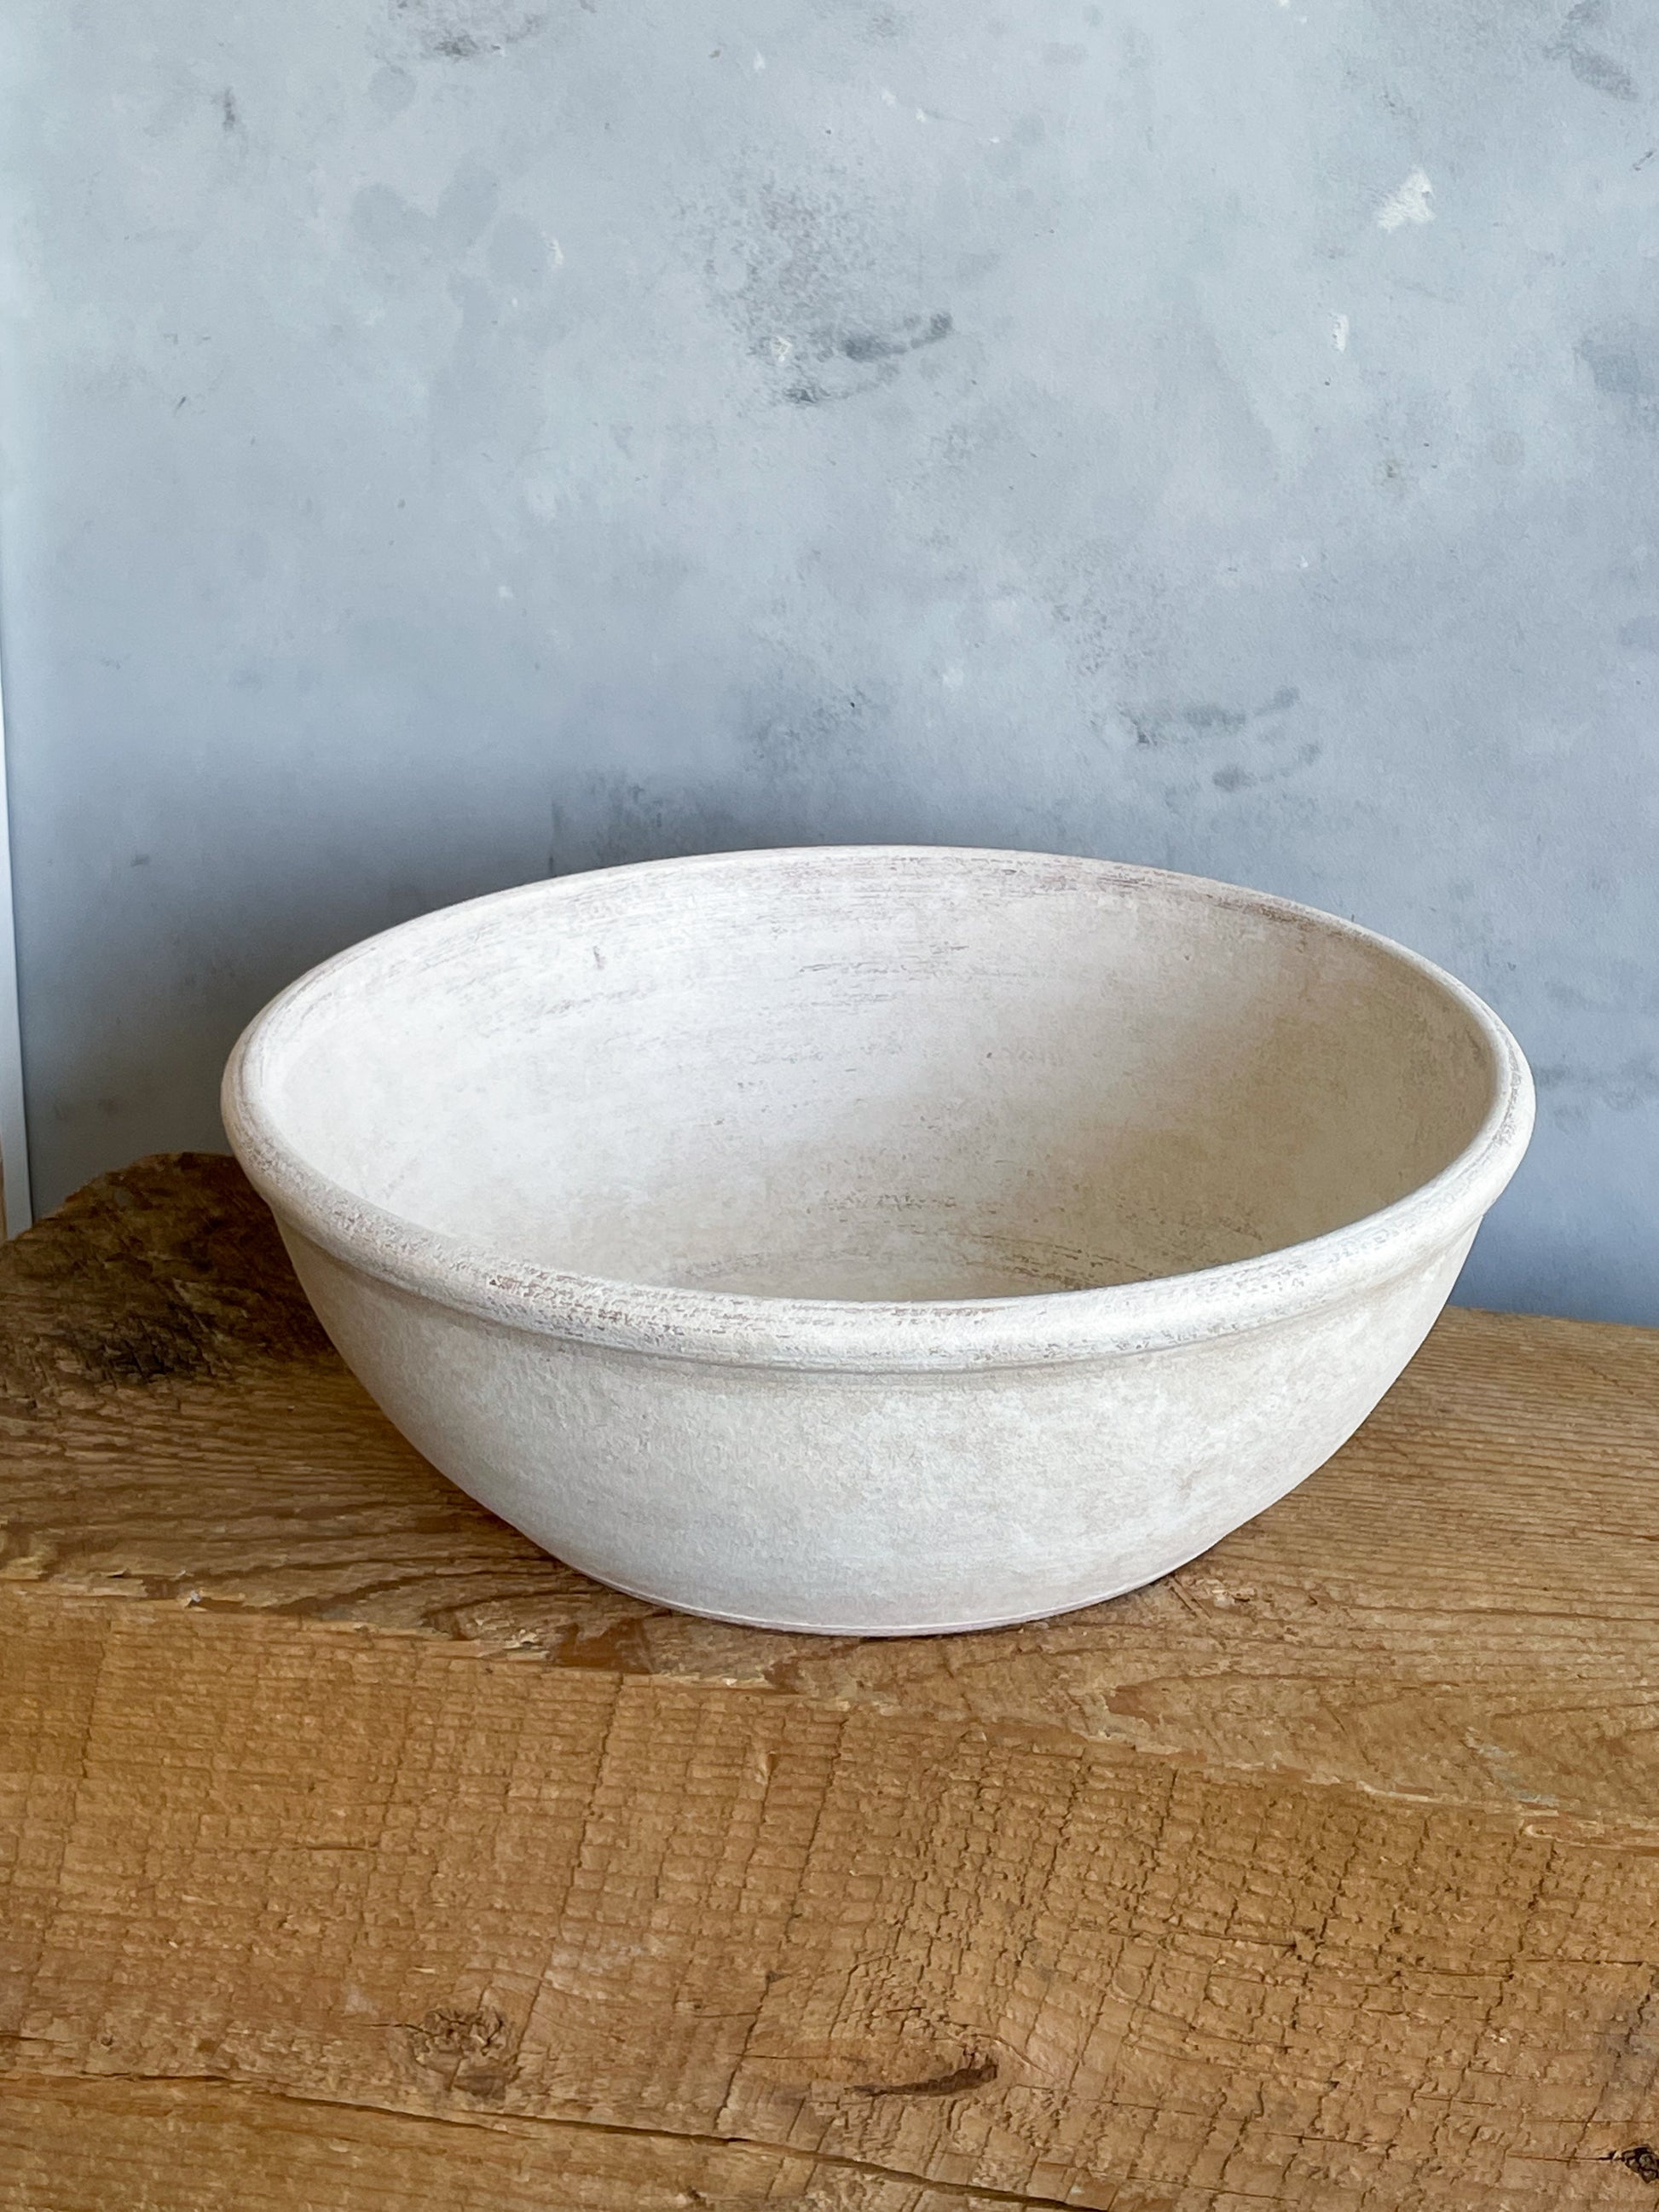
x,y
877,1239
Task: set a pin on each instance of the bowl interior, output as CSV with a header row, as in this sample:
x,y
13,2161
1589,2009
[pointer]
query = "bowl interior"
x,y
869,1075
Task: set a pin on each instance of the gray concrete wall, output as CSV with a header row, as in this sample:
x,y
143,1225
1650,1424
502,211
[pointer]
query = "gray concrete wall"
x,y
446,439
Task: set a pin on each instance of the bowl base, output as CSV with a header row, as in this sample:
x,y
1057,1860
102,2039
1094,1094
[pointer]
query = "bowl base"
x,y
919,1628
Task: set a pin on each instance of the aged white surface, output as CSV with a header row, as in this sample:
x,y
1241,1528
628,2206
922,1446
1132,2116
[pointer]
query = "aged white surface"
x,y
876,1238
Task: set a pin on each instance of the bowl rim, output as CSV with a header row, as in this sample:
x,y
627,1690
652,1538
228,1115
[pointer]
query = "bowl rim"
x,y
744,1329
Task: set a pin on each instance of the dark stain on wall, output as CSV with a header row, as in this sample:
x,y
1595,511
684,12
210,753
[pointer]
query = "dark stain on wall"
x,y
1599,70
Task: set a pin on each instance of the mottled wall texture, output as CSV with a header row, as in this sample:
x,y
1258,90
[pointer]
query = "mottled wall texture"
x,y
451,439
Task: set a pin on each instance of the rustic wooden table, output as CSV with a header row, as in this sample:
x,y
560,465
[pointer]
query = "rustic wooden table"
x,y
357,1855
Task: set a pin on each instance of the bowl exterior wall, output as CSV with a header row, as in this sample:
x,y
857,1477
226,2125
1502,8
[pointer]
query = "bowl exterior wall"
x,y
875,1503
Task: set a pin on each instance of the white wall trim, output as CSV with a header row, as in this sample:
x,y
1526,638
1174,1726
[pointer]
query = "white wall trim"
x,y
13,1129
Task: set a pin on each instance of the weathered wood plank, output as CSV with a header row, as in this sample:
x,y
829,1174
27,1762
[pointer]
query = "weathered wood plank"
x,y
1464,1602
356,1864
1324,1874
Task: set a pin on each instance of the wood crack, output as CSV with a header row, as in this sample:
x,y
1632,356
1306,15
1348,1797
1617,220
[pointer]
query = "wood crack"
x,y
961,2193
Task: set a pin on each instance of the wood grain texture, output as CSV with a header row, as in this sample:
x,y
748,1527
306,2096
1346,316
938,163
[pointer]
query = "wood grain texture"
x,y
1325,1874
